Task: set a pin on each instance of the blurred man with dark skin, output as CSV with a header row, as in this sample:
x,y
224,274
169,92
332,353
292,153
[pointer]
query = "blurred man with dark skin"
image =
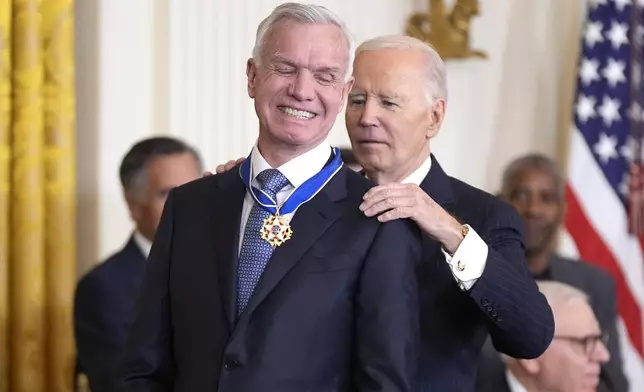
x,y
534,185
105,296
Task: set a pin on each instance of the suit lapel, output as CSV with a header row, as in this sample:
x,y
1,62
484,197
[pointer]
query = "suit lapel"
x,y
437,184
309,223
226,208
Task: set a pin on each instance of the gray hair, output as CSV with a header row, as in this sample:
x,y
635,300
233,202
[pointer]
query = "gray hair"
x,y
303,13
133,171
435,73
532,161
556,294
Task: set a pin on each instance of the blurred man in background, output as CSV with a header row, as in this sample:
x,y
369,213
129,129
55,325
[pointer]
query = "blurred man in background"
x,y
573,361
105,296
534,185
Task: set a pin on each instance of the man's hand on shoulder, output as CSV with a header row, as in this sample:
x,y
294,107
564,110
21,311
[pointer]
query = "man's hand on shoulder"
x,y
400,201
225,167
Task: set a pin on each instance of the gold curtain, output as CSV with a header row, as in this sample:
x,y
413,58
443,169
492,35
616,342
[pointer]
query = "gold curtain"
x,y
37,195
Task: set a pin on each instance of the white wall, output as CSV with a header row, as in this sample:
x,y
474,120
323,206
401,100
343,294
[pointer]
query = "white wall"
x,y
177,67
116,107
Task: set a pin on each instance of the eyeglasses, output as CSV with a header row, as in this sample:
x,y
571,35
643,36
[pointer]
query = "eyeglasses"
x,y
588,343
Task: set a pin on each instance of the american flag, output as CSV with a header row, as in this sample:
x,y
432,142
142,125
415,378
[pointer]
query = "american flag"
x,y
605,189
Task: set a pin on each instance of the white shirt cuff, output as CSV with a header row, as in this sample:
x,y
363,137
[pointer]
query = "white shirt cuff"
x,y
469,260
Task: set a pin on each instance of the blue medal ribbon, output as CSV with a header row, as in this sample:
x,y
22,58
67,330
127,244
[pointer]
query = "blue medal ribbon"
x,y
299,195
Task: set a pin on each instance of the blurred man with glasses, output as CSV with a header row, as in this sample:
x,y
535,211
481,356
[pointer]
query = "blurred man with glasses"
x,y
574,359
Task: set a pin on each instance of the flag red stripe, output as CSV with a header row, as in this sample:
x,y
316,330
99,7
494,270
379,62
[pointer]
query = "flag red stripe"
x,y
593,249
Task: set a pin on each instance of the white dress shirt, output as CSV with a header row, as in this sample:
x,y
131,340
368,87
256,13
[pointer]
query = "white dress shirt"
x,y
513,383
471,253
297,171
143,243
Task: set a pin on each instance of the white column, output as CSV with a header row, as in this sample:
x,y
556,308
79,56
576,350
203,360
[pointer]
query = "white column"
x,y
125,53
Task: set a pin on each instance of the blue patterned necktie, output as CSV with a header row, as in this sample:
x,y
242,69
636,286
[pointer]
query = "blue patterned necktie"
x,y
255,252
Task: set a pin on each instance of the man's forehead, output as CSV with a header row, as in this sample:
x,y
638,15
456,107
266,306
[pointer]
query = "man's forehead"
x,y
289,33
575,318
534,176
172,163
385,67
387,84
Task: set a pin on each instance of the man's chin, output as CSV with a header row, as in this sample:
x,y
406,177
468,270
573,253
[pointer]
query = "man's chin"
x,y
534,248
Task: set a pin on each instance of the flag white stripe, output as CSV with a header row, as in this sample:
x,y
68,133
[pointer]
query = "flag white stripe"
x,y
631,361
606,214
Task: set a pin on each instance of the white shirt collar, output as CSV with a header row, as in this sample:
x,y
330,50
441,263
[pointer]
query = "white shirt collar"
x,y
298,169
513,382
418,175
143,243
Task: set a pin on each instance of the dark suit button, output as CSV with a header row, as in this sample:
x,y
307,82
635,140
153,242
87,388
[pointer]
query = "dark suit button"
x,y
499,319
494,313
231,364
485,302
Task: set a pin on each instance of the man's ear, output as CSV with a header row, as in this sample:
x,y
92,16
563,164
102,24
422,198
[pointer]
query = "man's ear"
x,y
251,75
345,92
436,117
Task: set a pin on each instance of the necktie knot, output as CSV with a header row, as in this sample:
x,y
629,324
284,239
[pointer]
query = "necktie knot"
x,y
271,181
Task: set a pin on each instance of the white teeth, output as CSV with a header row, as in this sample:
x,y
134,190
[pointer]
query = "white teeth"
x,y
297,113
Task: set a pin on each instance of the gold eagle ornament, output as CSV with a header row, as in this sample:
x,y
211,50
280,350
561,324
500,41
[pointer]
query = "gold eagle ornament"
x,y
447,32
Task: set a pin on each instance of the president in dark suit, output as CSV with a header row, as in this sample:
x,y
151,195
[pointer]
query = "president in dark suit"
x,y
268,277
474,278
105,296
533,184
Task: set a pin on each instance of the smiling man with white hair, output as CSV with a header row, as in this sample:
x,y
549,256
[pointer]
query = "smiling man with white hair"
x,y
267,277
573,361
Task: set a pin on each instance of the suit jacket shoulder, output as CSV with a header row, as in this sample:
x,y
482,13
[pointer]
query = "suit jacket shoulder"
x,y
199,190
476,207
118,265
580,273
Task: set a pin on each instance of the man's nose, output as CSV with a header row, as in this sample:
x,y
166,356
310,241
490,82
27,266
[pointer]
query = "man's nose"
x,y
303,86
600,354
534,207
368,116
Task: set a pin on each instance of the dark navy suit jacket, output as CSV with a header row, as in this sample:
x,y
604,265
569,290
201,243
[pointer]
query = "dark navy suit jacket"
x,y
335,310
600,288
504,302
103,311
